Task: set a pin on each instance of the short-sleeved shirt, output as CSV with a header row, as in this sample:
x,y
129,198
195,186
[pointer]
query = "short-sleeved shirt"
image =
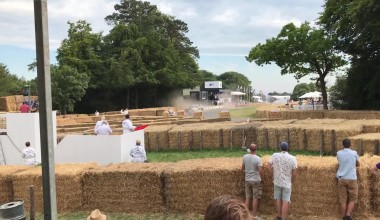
x,y
29,154
138,153
103,129
127,126
378,165
283,165
251,166
347,164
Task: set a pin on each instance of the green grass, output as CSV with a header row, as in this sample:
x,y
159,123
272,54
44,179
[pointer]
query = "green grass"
x,y
243,112
177,155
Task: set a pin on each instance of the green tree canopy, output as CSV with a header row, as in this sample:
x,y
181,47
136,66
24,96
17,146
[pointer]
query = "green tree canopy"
x,y
232,80
10,83
301,89
301,51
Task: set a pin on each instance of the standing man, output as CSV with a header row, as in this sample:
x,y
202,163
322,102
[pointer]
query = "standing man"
x,y
98,123
347,179
29,154
284,168
253,168
24,108
127,125
103,129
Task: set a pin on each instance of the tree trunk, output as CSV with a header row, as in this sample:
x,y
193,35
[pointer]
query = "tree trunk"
x,y
324,93
137,98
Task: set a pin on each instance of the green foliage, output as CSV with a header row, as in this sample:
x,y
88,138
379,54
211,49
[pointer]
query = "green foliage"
x,y
10,83
356,26
301,89
338,93
231,80
68,86
300,51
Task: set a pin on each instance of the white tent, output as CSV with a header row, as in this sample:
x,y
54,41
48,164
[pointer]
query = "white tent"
x,y
237,93
315,94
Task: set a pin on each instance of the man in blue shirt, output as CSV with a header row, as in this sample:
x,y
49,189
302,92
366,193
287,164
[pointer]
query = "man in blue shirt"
x,y
347,179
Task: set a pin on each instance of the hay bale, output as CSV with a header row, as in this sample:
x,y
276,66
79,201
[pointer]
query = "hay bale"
x,y
156,137
6,186
212,178
147,112
365,143
181,113
68,186
224,114
129,187
370,162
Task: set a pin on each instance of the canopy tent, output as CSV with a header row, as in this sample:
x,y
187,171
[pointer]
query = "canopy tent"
x,y
314,94
237,93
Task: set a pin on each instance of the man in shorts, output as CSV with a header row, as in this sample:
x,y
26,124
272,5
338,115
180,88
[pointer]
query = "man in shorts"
x,y
284,168
253,168
347,179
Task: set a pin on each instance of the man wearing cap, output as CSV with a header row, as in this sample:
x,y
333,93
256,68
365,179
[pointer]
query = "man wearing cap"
x,y
347,179
284,168
253,169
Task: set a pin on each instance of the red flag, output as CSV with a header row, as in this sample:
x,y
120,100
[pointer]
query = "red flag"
x,y
141,127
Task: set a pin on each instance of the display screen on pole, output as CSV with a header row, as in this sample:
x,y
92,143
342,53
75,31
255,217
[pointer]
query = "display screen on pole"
x,y
213,84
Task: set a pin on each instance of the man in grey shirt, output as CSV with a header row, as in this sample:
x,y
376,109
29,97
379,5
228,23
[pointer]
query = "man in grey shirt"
x,y
253,168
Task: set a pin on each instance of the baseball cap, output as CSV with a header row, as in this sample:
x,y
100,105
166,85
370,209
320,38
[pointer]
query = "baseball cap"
x,y
284,146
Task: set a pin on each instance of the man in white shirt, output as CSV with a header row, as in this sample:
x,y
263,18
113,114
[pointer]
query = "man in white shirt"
x,y
138,153
127,125
284,168
103,129
253,169
29,154
100,122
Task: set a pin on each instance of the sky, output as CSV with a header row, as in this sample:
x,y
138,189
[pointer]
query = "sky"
x,y
224,31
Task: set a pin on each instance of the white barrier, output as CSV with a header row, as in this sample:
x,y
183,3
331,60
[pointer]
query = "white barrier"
x,y
102,149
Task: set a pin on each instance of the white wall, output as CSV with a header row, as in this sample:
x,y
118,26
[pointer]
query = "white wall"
x,y
23,127
102,149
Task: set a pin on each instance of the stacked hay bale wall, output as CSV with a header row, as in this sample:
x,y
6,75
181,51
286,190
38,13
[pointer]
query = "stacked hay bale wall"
x,y
130,188
212,178
366,143
69,187
6,186
157,137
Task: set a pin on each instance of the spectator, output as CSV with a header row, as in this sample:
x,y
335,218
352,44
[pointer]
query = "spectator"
x,y
127,125
171,112
103,129
138,153
100,122
253,168
29,154
24,108
96,113
227,208
284,168
347,179
96,215
375,169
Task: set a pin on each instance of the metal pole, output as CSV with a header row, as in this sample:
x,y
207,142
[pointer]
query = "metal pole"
x,y
45,113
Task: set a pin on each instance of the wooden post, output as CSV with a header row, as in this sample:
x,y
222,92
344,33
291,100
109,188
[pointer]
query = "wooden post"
x,y
231,138
376,150
179,140
288,136
266,137
31,200
304,139
322,144
360,148
200,139
191,140
221,138
147,141
277,138
244,138
158,141
333,143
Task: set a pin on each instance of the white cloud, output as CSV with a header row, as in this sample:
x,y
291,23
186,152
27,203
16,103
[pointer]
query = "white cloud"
x,y
227,17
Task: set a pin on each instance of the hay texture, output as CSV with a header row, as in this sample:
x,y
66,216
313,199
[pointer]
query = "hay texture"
x,y
190,185
366,143
6,186
156,137
129,187
69,186
371,162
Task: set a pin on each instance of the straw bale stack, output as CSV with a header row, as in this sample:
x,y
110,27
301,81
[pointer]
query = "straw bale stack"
x,y
129,187
365,182
69,187
6,188
365,143
165,114
181,113
371,126
160,112
156,137
147,112
224,115
198,115
3,104
212,178
374,182
133,112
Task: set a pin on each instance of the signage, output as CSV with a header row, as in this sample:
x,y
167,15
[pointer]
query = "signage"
x,y
213,84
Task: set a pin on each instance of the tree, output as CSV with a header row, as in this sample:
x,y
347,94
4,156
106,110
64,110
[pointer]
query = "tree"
x,y
356,26
233,80
338,93
301,89
10,84
300,51
68,86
